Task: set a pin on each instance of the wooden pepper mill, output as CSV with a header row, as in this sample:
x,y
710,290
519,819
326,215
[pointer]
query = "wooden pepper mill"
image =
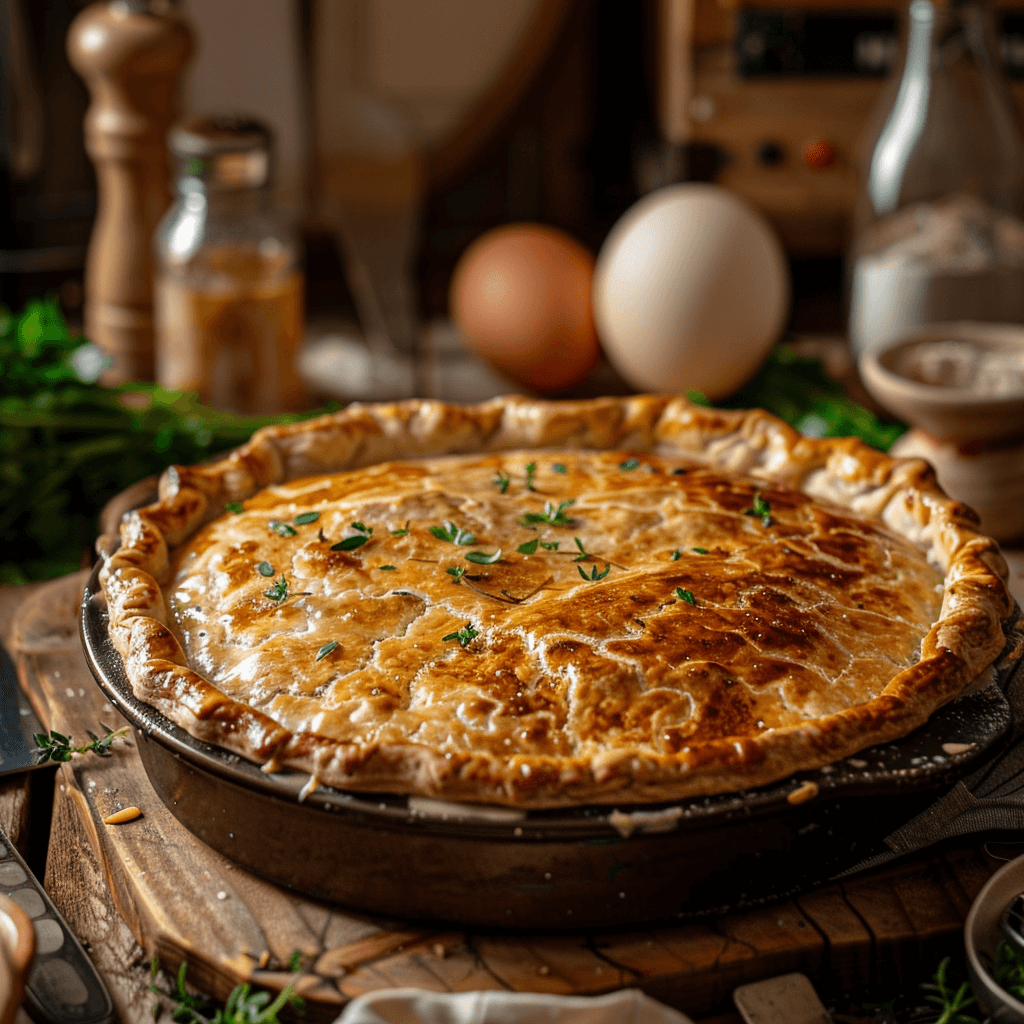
x,y
131,54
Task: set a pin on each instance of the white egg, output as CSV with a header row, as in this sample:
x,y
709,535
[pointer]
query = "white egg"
x,y
691,290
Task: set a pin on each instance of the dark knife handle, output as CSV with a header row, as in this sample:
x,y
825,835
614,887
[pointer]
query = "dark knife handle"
x,y
63,986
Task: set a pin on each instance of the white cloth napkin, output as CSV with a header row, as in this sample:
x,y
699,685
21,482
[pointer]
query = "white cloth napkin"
x,y
412,1006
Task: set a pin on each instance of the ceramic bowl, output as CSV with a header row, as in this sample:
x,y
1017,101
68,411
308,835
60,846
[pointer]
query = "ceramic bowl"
x,y
981,940
17,945
958,382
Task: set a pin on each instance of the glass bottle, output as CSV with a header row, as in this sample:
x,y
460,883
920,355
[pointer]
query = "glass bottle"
x,y
229,291
940,231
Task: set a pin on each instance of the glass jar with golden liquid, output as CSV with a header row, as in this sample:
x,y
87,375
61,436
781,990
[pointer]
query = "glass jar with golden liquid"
x,y
229,290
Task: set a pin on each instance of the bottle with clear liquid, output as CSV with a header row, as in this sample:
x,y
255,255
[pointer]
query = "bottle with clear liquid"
x,y
229,290
940,232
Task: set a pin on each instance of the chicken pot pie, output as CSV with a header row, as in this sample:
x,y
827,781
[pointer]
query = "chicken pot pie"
x,y
543,604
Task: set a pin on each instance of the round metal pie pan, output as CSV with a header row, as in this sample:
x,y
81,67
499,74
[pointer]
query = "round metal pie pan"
x,y
589,867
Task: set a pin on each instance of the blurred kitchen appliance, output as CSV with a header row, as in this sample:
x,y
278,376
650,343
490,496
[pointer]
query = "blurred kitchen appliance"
x,y
772,100
131,54
229,294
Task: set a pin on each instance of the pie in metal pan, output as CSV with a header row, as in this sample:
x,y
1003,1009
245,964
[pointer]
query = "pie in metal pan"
x,y
544,605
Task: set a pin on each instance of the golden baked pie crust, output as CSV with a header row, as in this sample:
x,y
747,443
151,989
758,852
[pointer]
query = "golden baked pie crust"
x,y
642,684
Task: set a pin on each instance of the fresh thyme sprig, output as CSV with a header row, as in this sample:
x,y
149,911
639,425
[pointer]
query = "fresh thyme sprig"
x,y
234,507
243,1005
57,747
951,1002
502,481
584,553
553,515
464,635
279,591
594,574
453,534
531,469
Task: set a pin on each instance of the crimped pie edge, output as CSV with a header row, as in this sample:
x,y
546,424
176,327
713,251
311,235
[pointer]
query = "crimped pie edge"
x,y
903,494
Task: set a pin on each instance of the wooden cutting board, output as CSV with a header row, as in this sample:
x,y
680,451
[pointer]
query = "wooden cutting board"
x,y
149,887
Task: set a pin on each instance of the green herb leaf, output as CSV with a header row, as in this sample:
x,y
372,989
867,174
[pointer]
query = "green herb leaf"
x,y
685,595
234,506
676,555
761,509
550,545
529,548
325,650
306,517
482,558
295,961
351,543
456,570
282,529
453,534
594,574
400,533
701,551
279,591
630,464
362,528
584,554
698,398
531,468
560,467
265,569
386,568
553,515
502,481
463,635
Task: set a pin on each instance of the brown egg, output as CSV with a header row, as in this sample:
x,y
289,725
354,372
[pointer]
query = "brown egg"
x,y
521,295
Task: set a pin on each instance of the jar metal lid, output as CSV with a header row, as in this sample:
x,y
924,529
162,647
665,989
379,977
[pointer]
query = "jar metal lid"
x,y
226,151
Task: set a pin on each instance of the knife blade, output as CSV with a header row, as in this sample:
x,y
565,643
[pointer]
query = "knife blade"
x,y
62,986
19,723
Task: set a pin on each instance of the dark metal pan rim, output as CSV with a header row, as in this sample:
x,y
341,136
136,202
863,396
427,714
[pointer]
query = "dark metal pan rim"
x,y
978,721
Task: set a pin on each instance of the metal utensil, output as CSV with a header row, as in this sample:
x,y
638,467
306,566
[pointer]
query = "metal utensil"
x,y
63,986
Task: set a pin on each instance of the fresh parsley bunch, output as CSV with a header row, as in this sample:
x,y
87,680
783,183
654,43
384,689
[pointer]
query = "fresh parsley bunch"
x,y
797,390
68,444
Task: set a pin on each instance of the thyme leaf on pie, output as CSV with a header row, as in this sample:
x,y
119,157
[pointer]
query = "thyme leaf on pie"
x,y
685,595
553,515
761,509
281,529
529,548
306,517
402,532
265,569
701,551
453,534
278,592
531,469
457,571
676,555
482,558
325,650
57,747
594,574
464,635
550,545
584,553
357,540
234,506
386,568
501,481
560,467
629,465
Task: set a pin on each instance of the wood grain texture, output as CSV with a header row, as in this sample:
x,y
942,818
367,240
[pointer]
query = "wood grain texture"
x,y
148,887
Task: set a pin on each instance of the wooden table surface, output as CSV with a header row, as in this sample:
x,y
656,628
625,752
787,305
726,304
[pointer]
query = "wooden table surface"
x,y
132,891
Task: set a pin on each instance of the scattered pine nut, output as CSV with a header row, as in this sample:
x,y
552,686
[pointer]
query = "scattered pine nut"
x,y
807,791
120,817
